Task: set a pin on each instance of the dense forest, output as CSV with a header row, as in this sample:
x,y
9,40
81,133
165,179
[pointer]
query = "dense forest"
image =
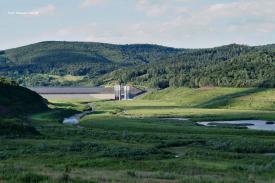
x,y
92,64
255,69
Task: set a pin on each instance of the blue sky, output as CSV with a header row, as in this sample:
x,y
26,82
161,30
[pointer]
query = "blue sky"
x,y
177,23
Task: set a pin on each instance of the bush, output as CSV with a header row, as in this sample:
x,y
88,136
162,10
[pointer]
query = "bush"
x,y
32,178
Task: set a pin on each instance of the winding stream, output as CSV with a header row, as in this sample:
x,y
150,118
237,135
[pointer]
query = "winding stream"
x,y
74,120
177,119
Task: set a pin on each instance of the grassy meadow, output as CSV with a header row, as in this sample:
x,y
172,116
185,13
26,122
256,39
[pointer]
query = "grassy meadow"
x,y
132,141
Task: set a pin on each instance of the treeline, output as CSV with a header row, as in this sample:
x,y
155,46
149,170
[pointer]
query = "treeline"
x,y
92,60
141,64
249,68
7,82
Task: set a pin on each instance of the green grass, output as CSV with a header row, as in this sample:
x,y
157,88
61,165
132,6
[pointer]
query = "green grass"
x,y
190,97
61,109
126,141
66,78
228,98
199,104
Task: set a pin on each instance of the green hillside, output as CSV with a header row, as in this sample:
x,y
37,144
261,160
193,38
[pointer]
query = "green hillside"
x,y
28,64
17,101
92,64
217,97
236,67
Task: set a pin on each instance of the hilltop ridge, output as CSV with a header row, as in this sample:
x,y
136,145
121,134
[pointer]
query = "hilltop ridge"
x,y
60,63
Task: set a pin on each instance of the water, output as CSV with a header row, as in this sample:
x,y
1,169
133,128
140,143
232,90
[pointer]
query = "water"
x,y
250,124
74,120
71,120
269,154
178,119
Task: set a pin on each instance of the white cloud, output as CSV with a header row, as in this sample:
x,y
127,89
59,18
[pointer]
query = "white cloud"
x,y
241,9
251,10
210,25
262,28
153,9
182,10
258,16
82,31
213,24
88,3
185,1
46,10
175,23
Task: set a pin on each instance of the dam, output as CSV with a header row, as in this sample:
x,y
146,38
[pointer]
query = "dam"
x,y
63,93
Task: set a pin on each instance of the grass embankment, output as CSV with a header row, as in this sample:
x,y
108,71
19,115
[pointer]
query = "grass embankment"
x,y
15,103
114,146
203,103
226,98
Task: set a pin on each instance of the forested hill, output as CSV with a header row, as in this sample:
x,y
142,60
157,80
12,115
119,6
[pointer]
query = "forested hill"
x,y
90,64
32,64
249,68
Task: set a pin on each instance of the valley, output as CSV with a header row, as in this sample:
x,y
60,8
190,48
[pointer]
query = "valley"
x,y
180,130
139,141
137,91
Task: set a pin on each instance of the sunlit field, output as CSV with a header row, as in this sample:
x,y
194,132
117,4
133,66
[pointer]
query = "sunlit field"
x,y
133,141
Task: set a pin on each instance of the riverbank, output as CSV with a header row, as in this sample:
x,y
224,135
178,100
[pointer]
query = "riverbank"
x,y
74,120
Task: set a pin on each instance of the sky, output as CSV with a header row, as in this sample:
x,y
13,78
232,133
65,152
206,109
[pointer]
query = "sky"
x,y
175,23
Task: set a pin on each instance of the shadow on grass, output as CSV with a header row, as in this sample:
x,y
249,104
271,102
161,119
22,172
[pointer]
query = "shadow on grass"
x,y
54,115
64,104
224,100
98,112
